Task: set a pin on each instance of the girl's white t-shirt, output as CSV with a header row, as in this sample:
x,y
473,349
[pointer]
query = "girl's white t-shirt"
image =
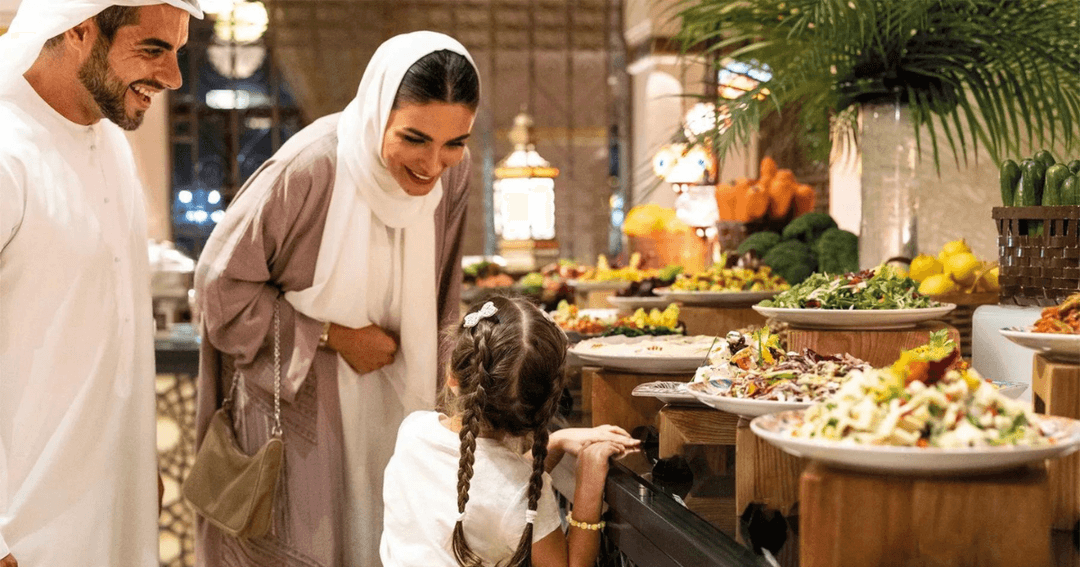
x,y
420,498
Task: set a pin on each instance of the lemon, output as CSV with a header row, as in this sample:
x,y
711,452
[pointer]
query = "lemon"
x,y
924,266
952,248
962,267
989,279
937,284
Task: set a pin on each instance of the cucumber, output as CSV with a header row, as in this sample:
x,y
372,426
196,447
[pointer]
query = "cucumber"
x,y
1046,158
1055,175
1070,191
1074,166
1010,181
1032,179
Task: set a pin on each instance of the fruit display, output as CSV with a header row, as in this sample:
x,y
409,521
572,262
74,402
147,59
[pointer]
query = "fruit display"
x,y
650,322
597,322
775,194
954,270
650,218
720,277
646,286
603,272
810,243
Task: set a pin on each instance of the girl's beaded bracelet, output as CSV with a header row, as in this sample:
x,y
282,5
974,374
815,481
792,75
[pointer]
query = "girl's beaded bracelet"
x,y
583,525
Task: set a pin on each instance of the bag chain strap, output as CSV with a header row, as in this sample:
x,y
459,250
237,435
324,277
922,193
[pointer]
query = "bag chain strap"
x,y
276,431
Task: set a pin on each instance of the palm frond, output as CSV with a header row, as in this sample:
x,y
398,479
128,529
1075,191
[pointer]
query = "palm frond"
x,y
976,71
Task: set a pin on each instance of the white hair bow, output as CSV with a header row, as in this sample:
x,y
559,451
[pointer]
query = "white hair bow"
x,y
473,318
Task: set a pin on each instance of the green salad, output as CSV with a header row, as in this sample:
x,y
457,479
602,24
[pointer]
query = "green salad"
x,y
881,288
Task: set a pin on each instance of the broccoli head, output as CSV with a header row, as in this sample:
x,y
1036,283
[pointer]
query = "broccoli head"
x,y
808,227
837,252
760,242
792,259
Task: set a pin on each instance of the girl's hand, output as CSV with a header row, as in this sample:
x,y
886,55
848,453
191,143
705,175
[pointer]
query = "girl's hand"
x,y
574,440
592,469
366,350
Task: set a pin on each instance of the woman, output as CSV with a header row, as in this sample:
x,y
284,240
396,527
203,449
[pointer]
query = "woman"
x,y
347,230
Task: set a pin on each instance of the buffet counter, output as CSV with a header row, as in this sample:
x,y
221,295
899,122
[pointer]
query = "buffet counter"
x,y
651,528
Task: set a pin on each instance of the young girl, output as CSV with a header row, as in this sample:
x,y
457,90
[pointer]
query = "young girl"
x,y
506,376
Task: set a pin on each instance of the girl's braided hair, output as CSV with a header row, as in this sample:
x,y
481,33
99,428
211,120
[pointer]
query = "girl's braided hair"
x,y
509,369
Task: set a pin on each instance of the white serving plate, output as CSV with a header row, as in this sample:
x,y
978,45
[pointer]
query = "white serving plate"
x,y
631,303
615,354
1010,389
744,407
776,429
716,298
1054,346
665,391
855,318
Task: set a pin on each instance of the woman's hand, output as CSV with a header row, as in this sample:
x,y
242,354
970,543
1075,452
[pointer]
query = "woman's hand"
x,y
366,349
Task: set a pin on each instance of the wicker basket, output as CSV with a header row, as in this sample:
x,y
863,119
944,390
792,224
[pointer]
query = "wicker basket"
x,y
1038,269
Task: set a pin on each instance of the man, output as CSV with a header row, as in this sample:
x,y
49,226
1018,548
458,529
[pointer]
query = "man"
x,y
77,449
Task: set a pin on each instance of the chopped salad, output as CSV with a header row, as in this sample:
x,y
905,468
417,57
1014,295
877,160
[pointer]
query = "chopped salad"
x,y
882,288
924,400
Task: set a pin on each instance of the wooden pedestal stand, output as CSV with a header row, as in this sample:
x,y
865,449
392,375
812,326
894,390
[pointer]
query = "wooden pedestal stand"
x,y
612,402
763,474
878,347
714,431
718,321
1055,390
768,476
852,519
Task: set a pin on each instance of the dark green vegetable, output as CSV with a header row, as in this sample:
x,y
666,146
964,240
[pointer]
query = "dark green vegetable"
x,y
1055,176
808,227
761,242
837,252
1074,166
1070,191
1010,181
1045,158
792,260
1032,178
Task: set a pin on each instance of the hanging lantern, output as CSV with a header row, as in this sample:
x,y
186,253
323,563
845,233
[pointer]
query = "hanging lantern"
x,y
524,197
524,189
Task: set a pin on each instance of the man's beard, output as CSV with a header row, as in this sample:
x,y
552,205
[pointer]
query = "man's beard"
x,y
108,92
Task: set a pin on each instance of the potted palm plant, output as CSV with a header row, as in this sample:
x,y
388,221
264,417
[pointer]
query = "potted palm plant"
x,y
961,74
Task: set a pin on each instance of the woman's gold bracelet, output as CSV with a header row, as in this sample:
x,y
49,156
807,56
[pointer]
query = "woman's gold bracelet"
x,y
583,525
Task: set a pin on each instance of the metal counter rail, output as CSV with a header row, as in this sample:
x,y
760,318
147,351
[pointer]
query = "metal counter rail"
x,y
654,530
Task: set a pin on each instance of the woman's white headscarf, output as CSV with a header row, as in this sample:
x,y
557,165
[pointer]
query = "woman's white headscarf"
x,y
365,189
38,21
